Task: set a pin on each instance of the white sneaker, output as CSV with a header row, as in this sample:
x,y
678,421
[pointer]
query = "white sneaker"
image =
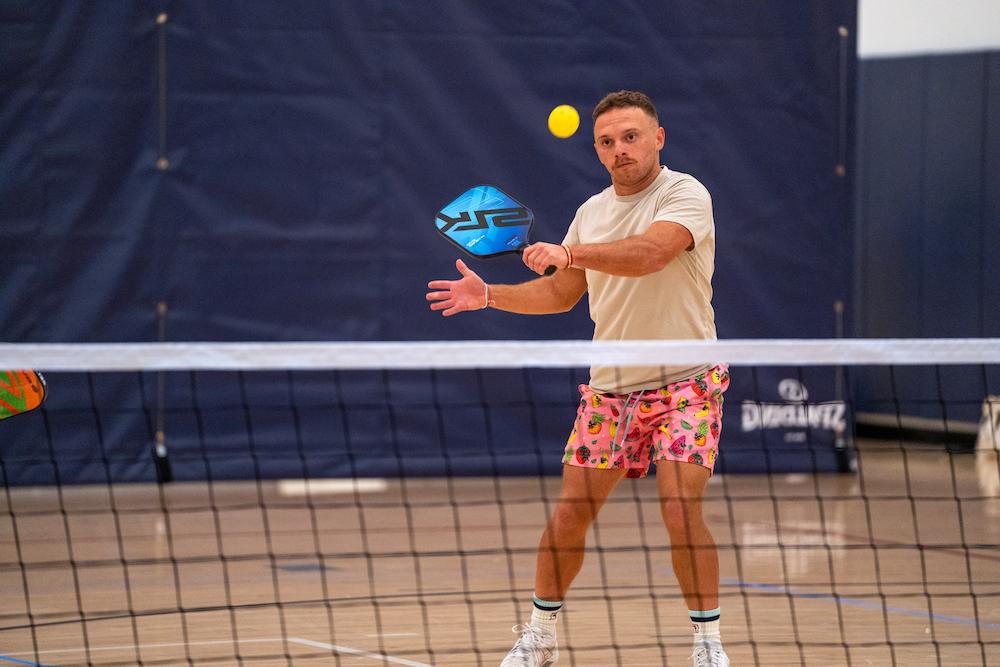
x,y
709,654
534,648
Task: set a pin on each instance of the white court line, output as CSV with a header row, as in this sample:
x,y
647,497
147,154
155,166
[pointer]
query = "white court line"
x,y
292,640
316,487
358,652
142,646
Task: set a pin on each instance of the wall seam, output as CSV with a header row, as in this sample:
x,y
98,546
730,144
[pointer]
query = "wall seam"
x,y
983,188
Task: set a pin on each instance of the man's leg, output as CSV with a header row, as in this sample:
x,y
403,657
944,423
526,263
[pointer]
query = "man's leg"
x,y
560,556
695,558
560,552
696,562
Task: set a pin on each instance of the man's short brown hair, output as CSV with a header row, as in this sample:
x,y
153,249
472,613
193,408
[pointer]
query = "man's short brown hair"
x,y
624,99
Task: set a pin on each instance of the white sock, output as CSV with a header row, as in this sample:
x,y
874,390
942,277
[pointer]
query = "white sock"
x,y
706,626
545,618
706,631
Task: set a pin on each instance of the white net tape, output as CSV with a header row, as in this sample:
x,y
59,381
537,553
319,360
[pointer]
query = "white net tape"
x,y
492,354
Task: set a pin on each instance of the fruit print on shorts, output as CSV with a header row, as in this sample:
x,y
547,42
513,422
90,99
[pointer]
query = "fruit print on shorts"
x,y
681,421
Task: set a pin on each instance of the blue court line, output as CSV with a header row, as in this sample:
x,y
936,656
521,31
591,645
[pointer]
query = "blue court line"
x,y
866,604
22,662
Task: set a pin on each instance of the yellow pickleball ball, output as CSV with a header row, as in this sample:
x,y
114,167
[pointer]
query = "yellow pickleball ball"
x,y
563,121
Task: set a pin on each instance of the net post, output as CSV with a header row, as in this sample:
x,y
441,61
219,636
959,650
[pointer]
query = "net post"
x,y
842,444
161,460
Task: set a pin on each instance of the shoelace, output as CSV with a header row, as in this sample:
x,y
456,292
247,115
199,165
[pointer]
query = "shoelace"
x,y
529,641
707,656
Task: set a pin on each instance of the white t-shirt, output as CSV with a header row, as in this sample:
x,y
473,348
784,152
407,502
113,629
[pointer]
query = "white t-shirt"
x,y
673,303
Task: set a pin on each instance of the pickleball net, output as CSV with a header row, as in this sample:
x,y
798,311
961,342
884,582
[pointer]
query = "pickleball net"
x,y
382,503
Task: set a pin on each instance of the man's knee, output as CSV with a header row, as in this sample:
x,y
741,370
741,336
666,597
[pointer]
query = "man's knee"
x,y
584,491
681,516
572,516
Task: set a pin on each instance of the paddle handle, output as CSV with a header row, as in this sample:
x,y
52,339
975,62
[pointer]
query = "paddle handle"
x,y
549,271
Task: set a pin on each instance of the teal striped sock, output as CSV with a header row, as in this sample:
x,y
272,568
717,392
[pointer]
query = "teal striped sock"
x,y
705,624
544,613
545,605
705,616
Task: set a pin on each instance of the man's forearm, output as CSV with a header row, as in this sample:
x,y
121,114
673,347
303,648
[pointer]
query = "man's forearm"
x,y
637,255
556,294
632,256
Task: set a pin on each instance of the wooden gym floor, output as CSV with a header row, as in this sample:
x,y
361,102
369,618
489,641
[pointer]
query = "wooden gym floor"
x,y
816,570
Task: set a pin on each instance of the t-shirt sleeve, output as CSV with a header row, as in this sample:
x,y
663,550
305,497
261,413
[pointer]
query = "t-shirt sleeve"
x,y
690,205
573,233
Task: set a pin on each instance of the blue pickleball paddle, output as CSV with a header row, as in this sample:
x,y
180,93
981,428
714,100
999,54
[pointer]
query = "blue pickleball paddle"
x,y
484,221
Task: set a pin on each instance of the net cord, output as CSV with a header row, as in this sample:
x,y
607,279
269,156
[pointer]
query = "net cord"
x,y
492,354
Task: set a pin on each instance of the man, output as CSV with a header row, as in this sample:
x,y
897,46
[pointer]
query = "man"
x,y
644,251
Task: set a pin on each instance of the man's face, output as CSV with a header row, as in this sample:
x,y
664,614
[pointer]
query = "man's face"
x,y
628,143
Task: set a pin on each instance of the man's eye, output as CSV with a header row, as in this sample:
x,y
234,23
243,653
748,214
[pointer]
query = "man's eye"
x,y
631,136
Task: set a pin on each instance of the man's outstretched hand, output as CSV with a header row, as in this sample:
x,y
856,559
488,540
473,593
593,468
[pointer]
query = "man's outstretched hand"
x,y
456,296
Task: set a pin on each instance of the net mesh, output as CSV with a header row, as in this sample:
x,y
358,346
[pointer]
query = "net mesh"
x,y
355,504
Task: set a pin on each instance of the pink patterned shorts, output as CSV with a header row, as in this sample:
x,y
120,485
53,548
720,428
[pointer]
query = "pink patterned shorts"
x,y
679,422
